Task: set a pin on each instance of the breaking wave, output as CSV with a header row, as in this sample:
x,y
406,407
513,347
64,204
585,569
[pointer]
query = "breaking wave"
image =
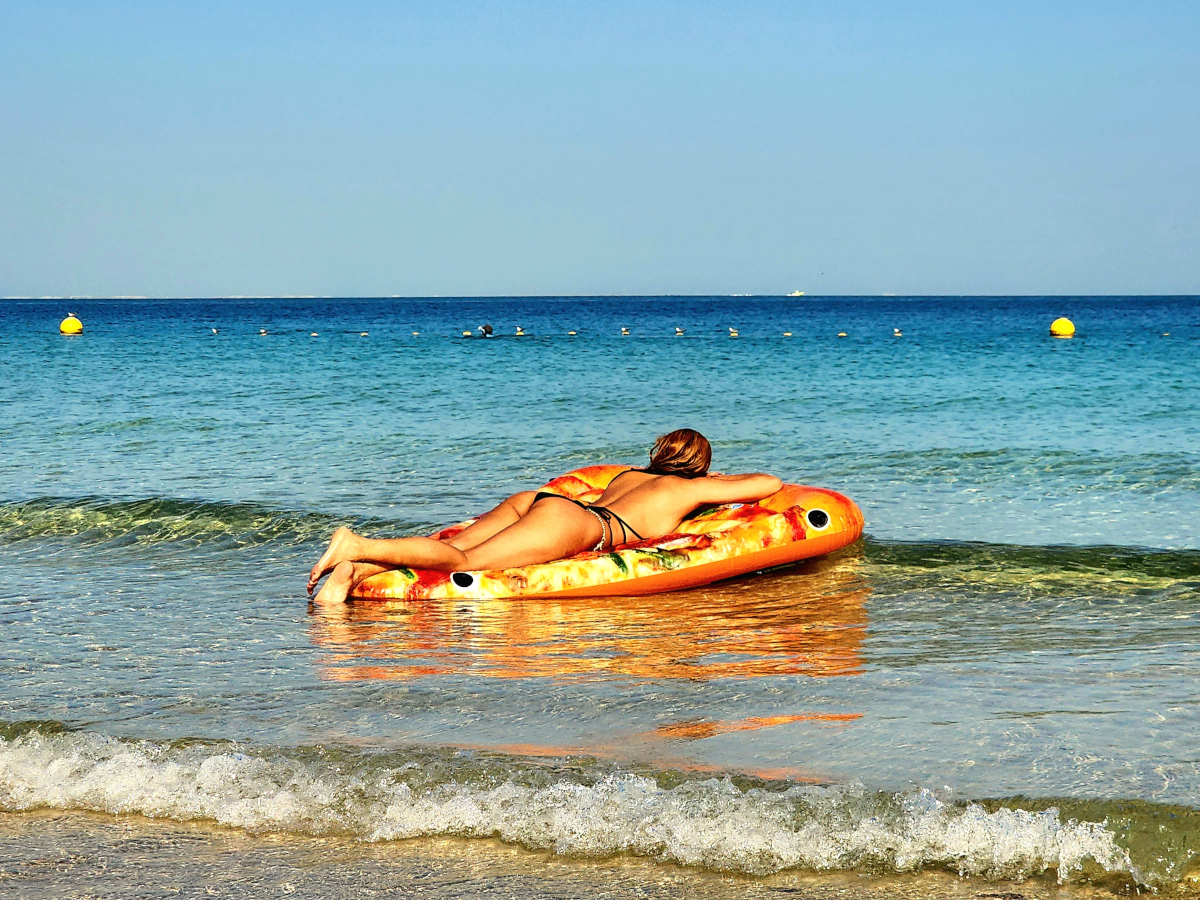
x,y
1036,570
574,807
92,521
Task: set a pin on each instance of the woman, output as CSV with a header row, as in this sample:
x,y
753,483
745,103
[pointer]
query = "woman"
x,y
530,528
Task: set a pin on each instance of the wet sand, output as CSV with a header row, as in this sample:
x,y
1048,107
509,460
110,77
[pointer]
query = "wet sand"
x,y
51,854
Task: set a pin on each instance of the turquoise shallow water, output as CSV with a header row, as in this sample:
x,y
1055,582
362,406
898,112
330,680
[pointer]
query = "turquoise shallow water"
x,y
998,681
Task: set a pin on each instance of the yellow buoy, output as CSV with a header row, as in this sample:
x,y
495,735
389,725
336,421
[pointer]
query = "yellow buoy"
x,y
841,334
1062,327
787,334
70,325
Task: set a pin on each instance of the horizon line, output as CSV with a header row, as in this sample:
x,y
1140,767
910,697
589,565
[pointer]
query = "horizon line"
x,y
789,296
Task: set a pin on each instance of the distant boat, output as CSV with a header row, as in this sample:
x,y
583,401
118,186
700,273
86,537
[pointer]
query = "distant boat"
x,y
796,294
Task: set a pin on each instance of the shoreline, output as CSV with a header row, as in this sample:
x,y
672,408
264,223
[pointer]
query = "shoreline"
x,y
48,852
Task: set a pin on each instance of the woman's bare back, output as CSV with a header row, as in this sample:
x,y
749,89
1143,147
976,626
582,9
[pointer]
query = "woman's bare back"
x,y
654,505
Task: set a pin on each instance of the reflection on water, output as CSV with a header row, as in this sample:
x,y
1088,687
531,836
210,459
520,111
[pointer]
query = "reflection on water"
x,y
809,620
699,729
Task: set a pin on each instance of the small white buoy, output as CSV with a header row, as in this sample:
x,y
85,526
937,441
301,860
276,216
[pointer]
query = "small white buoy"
x,y
1166,334
414,334
787,334
571,332
312,334
841,334
362,334
214,331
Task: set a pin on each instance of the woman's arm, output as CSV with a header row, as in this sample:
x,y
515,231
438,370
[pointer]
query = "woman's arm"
x,y
716,489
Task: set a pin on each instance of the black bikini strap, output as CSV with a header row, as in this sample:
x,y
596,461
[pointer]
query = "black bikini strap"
x,y
626,529
542,495
605,514
608,515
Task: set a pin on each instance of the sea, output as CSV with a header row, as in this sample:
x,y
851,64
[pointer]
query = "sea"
x,y
993,694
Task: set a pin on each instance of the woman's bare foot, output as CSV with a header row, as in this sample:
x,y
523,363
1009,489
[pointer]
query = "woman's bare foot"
x,y
340,549
337,587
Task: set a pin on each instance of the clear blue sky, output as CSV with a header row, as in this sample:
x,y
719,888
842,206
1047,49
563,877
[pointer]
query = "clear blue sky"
x,y
181,149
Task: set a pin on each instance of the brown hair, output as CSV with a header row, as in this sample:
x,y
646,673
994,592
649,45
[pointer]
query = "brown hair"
x,y
684,452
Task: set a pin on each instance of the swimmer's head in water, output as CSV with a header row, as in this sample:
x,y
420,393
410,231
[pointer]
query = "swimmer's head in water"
x,y
684,452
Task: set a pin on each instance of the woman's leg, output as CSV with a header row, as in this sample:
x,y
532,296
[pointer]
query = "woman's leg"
x,y
552,529
346,545
490,523
391,553
345,576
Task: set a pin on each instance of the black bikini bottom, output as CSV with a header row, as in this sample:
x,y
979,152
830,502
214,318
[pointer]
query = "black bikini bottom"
x,y
607,518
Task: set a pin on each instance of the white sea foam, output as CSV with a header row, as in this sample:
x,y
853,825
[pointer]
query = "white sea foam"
x,y
712,823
